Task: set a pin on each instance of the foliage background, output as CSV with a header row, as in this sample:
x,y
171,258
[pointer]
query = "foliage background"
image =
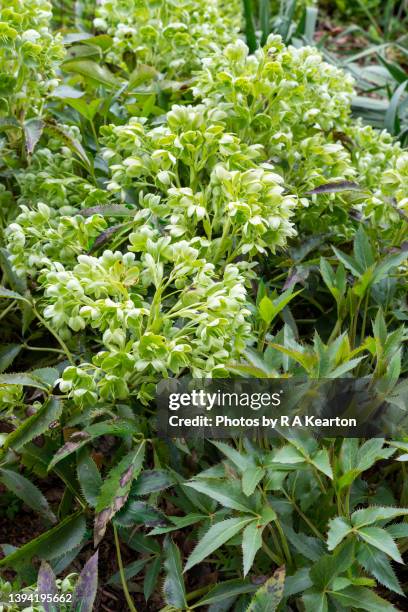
x,y
217,189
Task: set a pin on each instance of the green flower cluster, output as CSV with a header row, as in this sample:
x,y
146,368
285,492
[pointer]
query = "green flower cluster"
x,y
208,186
29,56
151,315
172,36
298,107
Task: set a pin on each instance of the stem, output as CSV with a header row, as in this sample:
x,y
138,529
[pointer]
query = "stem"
x,y
271,555
249,26
7,310
304,517
56,336
284,542
122,573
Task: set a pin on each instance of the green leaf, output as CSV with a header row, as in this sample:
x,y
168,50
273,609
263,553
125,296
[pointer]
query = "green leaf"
x,y
363,250
151,577
89,477
51,544
362,599
379,538
33,129
376,563
398,530
11,295
115,489
8,352
35,425
315,601
297,583
250,478
328,567
269,595
179,523
215,537
136,512
173,588
24,379
151,481
224,591
372,514
321,461
119,427
251,543
288,454
266,310
350,263
228,494
339,528
242,462
92,70
130,571
28,492
387,264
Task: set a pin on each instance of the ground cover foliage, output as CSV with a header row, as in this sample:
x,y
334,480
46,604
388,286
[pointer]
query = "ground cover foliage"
x,y
182,192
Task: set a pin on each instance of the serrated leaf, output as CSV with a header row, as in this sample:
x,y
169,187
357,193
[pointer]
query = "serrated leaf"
x,y
215,537
138,512
11,295
151,481
242,462
89,477
321,461
8,353
315,601
47,585
376,563
24,379
28,492
115,489
173,588
372,514
151,578
381,539
225,590
328,567
349,262
35,425
228,494
297,583
288,454
251,543
398,530
51,544
250,478
269,595
180,523
363,250
362,599
119,427
130,571
339,528
84,594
